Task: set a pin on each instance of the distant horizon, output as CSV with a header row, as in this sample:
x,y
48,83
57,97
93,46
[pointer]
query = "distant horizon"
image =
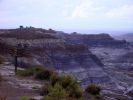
x,y
114,32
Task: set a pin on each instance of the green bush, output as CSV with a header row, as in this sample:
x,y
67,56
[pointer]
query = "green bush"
x,y
66,81
74,90
24,98
37,72
54,79
69,84
93,89
43,75
37,69
26,72
56,92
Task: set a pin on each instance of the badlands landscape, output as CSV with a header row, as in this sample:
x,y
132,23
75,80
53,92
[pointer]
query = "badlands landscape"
x,y
100,59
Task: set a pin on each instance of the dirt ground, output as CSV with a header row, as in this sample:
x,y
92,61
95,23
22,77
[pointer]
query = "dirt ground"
x,y
13,87
11,93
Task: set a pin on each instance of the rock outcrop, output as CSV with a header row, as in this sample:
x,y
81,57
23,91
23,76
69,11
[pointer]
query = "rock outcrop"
x,y
95,40
57,53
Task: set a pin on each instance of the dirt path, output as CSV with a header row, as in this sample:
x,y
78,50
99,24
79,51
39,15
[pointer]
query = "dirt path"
x,y
14,87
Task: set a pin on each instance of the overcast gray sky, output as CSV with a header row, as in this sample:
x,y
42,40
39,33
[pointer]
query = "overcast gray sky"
x,y
80,15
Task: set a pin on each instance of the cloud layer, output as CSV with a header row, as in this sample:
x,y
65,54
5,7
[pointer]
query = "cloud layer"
x,y
67,14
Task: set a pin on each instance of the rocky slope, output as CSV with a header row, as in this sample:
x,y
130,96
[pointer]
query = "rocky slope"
x,y
95,40
118,64
57,53
128,37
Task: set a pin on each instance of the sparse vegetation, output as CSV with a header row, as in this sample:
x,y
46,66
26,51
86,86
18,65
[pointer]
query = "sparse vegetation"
x,y
71,86
75,91
36,72
24,73
54,79
93,89
58,87
56,92
24,98
43,74
29,72
65,82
